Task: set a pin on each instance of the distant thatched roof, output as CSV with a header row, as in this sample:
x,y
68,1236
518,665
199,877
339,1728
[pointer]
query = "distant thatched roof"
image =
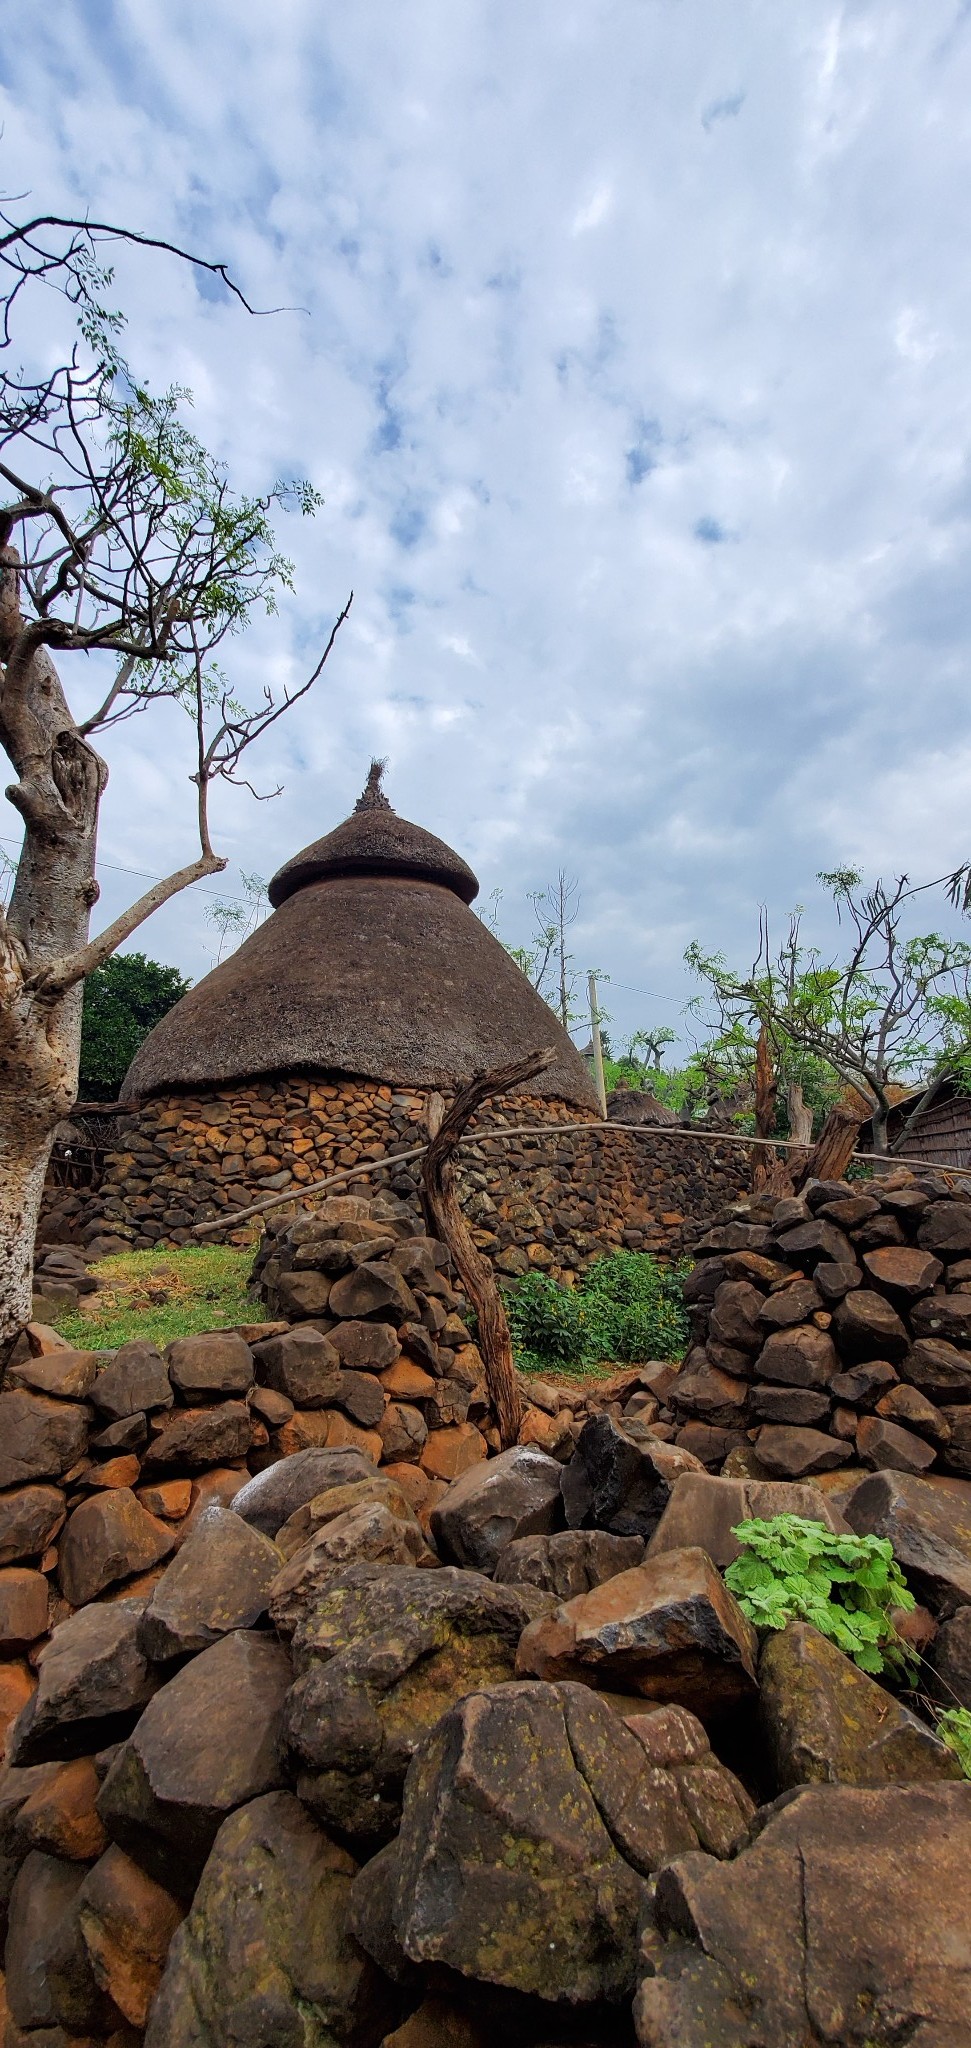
x,y
371,965
636,1106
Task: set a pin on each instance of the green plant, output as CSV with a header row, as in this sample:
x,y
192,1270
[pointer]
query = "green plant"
x,y
846,1586
625,1307
123,999
954,1728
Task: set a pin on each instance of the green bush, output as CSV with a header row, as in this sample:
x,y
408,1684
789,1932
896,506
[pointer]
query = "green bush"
x,y
625,1308
954,1728
846,1586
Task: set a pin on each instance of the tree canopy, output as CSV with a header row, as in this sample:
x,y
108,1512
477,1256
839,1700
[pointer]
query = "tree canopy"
x,y
123,1001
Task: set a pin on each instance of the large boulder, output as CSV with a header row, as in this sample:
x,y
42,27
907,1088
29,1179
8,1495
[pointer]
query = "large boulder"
x,y
264,1956
135,1382
269,1500
938,1369
207,1743
210,1367
219,1581
49,1982
787,1452
378,1660
302,1364
620,1484
40,1438
845,1922
668,1630
533,1820
371,1532
571,1562
930,1531
826,1722
197,1437
490,1505
67,1375
704,1510
93,1682
109,1537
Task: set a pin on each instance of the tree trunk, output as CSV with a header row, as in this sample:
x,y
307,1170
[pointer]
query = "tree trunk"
x,y
446,1221
58,794
765,1162
833,1149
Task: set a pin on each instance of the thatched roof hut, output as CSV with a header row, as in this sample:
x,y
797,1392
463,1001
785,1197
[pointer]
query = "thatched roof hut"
x,y
372,964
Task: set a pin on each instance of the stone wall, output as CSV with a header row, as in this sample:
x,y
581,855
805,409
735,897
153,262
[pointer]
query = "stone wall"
x,y
553,1201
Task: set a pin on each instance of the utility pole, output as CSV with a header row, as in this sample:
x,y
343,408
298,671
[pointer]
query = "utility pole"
x,y
598,1058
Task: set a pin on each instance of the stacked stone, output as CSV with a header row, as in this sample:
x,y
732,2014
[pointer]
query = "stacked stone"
x,y
107,1460
834,1327
550,1203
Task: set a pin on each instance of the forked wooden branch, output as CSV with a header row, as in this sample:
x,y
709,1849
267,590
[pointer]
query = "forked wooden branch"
x,y
445,1220
833,1150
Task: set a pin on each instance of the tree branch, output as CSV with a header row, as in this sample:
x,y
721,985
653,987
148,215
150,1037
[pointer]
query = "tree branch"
x,y
54,979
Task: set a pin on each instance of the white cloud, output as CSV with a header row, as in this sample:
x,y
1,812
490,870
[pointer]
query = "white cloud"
x,y
633,375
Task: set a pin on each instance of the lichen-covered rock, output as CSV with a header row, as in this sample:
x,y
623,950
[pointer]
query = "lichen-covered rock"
x,y
207,1743
826,1722
219,1581
264,1956
370,1532
94,1680
532,1819
668,1630
378,1660
845,1921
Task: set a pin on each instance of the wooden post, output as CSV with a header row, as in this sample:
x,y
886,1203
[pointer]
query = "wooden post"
x,y
446,1221
833,1149
598,1057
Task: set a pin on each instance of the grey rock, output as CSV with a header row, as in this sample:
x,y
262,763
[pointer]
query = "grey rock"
x,y
136,1380
930,1531
269,1500
219,1581
571,1562
490,1505
93,1682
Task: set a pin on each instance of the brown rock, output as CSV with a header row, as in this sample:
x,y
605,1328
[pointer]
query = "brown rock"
x,y
938,1369
201,1436
206,1743
415,1484
826,1722
17,1684
866,1326
30,1517
711,1395
170,1499
272,1408
219,1581
808,1243
930,1530
335,1500
406,1381
127,1923
945,1229
849,1211
912,1410
361,1395
863,1384
268,1501
343,1434
136,1381
882,1948
66,1375
368,1533
376,1289
303,1294
568,1563
39,1438
60,1816
803,1357
436,2024
956,1452
366,1347
667,1630
834,1281
946,1316
24,1597
787,1306
450,1452
303,1365
790,1453
491,1504
735,1315
703,1511
48,1982
885,1446
904,1271
209,1366
107,1538
804,1406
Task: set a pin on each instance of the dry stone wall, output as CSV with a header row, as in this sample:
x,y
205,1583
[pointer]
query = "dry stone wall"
x,y
553,1202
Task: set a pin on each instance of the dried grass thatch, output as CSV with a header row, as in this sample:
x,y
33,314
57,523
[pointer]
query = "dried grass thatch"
x,y
372,965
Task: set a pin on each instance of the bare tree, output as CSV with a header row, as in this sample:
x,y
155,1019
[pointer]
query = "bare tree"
x,y
545,961
121,535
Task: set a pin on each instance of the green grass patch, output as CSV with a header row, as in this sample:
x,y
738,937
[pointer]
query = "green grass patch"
x,y
158,1295
624,1310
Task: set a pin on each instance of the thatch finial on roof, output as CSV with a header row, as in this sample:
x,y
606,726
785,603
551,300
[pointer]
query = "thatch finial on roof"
x,y
372,797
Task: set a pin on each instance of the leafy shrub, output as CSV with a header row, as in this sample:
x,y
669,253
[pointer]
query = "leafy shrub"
x,y
625,1308
846,1586
954,1728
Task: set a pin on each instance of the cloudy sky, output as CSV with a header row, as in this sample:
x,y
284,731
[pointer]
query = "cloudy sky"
x,y
634,371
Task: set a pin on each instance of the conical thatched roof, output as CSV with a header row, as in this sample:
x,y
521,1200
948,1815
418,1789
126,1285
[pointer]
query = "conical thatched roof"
x,y
372,964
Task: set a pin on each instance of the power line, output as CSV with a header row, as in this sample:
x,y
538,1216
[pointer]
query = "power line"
x,y
142,875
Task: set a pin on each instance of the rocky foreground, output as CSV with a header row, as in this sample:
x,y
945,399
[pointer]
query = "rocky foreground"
x,y
313,1740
